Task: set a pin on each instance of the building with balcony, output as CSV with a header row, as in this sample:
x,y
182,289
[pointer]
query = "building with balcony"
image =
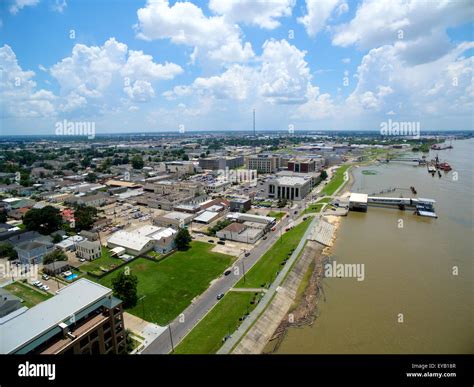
x,y
83,318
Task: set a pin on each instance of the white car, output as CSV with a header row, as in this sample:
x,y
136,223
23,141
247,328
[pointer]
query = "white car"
x,y
39,284
45,287
36,283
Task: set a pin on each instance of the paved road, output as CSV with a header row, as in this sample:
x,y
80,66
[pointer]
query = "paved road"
x,y
198,309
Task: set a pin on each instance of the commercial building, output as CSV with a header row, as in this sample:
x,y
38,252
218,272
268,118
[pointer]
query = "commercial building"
x,y
143,240
207,217
263,163
302,165
240,204
89,250
288,187
240,232
174,219
83,318
215,163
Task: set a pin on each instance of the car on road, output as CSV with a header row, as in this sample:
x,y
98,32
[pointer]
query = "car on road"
x,y
220,295
265,238
227,272
273,228
247,254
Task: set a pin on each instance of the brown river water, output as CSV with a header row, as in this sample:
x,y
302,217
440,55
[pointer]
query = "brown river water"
x,y
409,271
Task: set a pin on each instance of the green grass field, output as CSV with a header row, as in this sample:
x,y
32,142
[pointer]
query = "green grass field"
x,y
265,270
106,261
316,207
170,285
336,181
30,296
275,214
222,320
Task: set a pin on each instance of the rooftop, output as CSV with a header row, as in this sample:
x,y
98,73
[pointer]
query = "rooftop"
x,y
50,313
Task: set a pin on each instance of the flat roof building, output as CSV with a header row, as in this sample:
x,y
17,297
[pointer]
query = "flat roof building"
x,y
83,318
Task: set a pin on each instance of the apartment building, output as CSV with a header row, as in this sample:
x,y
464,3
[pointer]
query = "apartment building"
x,y
83,318
263,163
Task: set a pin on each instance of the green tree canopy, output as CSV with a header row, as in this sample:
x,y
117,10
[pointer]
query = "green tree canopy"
x,y
125,288
183,239
45,220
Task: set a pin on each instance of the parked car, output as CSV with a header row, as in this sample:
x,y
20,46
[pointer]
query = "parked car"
x,y
82,260
264,238
39,284
36,283
221,243
45,288
227,272
45,277
220,295
210,241
247,254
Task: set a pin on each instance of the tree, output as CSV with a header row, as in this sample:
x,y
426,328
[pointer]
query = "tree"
x,y
45,220
3,216
137,162
183,239
54,256
282,203
324,175
185,157
57,238
91,177
85,216
7,251
125,288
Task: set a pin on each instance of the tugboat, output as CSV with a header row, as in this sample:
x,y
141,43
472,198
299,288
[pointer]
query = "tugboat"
x,y
444,167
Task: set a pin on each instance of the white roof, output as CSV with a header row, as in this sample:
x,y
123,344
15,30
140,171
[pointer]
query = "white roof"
x,y
130,240
50,313
291,180
358,197
11,200
155,232
177,215
206,216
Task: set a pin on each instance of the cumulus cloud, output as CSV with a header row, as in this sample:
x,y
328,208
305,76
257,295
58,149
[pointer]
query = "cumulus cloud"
x,y
263,14
18,91
185,24
98,74
318,12
419,29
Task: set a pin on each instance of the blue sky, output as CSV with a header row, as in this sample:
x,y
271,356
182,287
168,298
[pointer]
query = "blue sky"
x,y
160,65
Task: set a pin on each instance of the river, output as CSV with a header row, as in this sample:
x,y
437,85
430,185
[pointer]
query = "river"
x,y
410,300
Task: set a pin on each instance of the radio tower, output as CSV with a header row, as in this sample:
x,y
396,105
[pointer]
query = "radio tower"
x,y
254,123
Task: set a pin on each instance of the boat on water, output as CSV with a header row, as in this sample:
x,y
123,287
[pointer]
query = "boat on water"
x,y
444,167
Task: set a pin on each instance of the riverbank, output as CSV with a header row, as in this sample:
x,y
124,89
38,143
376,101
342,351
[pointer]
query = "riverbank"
x,y
304,310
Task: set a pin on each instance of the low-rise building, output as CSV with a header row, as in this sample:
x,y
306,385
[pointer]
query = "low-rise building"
x,y
89,250
288,187
240,232
33,252
263,163
174,219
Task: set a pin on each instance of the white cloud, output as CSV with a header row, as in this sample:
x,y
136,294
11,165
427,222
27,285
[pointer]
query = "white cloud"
x,y
101,74
419,28
141,91
260,13
59,6
319,13
18,91
185,24
284,75
18,5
